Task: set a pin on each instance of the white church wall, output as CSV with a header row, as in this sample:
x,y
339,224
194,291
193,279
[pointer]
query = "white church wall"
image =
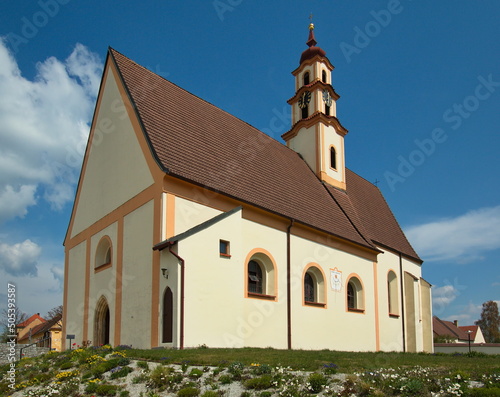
x,y
331,327
391,327
106,185
265,320
189,214
213,284
305,144
76,292
137,276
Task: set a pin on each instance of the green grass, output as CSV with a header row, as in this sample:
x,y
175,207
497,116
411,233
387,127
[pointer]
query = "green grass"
x,y
347,362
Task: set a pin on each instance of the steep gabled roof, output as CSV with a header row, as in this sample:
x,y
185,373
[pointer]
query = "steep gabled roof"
x,y
472,328
443,328
43,327
29,320
193,140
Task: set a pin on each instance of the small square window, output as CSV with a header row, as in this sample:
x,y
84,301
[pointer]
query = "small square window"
x,y
224,248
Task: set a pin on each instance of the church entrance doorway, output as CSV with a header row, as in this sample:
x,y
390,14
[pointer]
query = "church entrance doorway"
x,y
101,323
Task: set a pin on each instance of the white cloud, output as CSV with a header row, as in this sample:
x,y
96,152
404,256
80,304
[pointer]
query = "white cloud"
x,y
58,274
20,259
467,315
462,239
15,203
44,123
442,297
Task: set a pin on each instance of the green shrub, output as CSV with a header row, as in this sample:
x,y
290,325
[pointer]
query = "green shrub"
x,y
91,387
121,372
330,369
266,394
142,378
143,364
106,390
196,373
165,377
262,369
66,365
225,379
123,361
316,382
413,387
188,392
259,383
236,369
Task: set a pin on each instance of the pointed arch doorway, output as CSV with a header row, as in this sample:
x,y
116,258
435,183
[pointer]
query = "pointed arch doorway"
x,y
101,323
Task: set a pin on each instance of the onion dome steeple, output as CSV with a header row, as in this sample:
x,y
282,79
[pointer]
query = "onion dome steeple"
x,y
316,133
312,50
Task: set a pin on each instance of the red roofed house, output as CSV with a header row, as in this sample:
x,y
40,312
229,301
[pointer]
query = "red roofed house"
x,y
191,227
453,333
23,328
48,334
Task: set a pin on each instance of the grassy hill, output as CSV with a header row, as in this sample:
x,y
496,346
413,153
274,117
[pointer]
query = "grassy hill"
x,y
250,372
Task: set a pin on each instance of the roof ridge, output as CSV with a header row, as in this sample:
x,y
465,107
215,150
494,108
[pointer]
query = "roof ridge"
x,y
368,240
194,95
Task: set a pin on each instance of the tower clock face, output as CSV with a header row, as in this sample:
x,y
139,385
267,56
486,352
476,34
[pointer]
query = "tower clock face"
x,y
304,99
327,98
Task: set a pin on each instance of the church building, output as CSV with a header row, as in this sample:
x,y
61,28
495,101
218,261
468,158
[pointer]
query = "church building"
x,y
190,227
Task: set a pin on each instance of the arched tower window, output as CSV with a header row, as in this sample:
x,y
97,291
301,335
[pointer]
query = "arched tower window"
x,y
305,112
306,78
333,158
323,76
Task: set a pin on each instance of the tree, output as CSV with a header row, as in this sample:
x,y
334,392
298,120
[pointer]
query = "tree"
x,y
56,311
490,322
18,316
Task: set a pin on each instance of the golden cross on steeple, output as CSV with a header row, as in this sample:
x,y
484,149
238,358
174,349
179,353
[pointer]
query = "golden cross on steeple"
x,y
311,25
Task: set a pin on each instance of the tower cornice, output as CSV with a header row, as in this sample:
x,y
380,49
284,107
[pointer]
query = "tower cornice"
x,y
313,60
312,120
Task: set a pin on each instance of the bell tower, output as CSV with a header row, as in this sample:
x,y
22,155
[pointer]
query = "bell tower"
x,y
316,133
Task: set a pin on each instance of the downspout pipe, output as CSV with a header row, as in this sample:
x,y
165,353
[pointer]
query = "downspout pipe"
x,y
181,326
288,286
401,276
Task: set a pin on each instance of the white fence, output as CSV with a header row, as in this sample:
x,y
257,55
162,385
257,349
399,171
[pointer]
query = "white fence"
x,y
486,348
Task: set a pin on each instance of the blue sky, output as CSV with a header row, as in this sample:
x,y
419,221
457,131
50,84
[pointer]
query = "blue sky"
x,y
420,95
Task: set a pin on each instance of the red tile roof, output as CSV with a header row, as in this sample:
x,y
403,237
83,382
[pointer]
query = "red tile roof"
x,y
193,140
472,328
43,327
28,321
443,328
